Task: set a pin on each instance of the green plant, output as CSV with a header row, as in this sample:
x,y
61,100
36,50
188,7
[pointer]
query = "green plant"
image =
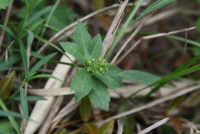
x,y
97,74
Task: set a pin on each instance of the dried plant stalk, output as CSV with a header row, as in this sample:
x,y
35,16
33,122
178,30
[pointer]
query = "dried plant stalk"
x,y
153,103
157,124
42,108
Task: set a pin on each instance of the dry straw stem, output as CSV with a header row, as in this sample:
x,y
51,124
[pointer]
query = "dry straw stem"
x,y
42,108
156,18
108,40
151,37
47,123
123,91
120,128
5,23
72,105
129,39
6,52
153,103
157,124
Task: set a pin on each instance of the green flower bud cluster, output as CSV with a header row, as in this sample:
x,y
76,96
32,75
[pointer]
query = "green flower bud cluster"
x,y
98,66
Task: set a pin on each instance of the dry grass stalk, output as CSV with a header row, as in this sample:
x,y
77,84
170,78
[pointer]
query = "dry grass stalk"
x,y
42,108
157,124
130,38
151,37
72,105
156,18
108,40
120,128
124,91
55,108
5,23
153,103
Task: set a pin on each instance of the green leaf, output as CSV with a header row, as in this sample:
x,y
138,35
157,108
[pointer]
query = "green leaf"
x,y
153,7
24,57
36,55
99,96
6,85
113,71
9,114
4,3
85,109
43,76
30,98
74,50
35,18
140,77
62,131
41,63
12,114
113,82
107,128
6,127
58,20
197,24
82,84
36,24
24,103
128,121
30,37
90,128
95,47
82,38
196,51
9,62
31,4
7,29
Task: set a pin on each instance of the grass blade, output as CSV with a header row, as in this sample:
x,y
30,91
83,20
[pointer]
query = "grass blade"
x,y
44,76
24,57
8,30
10,116
30,37
41,63
24,103
156,5
178,70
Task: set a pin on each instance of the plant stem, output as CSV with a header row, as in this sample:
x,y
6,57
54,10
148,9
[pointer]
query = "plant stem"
x,y
123,28
12,120
48,19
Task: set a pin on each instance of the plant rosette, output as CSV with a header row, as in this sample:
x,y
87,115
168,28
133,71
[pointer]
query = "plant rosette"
x,y
97,75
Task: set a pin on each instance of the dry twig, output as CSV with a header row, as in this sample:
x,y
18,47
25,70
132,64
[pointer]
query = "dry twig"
x,y
151,37
153,103
108,40
157,124
130,38
42,108
5,22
